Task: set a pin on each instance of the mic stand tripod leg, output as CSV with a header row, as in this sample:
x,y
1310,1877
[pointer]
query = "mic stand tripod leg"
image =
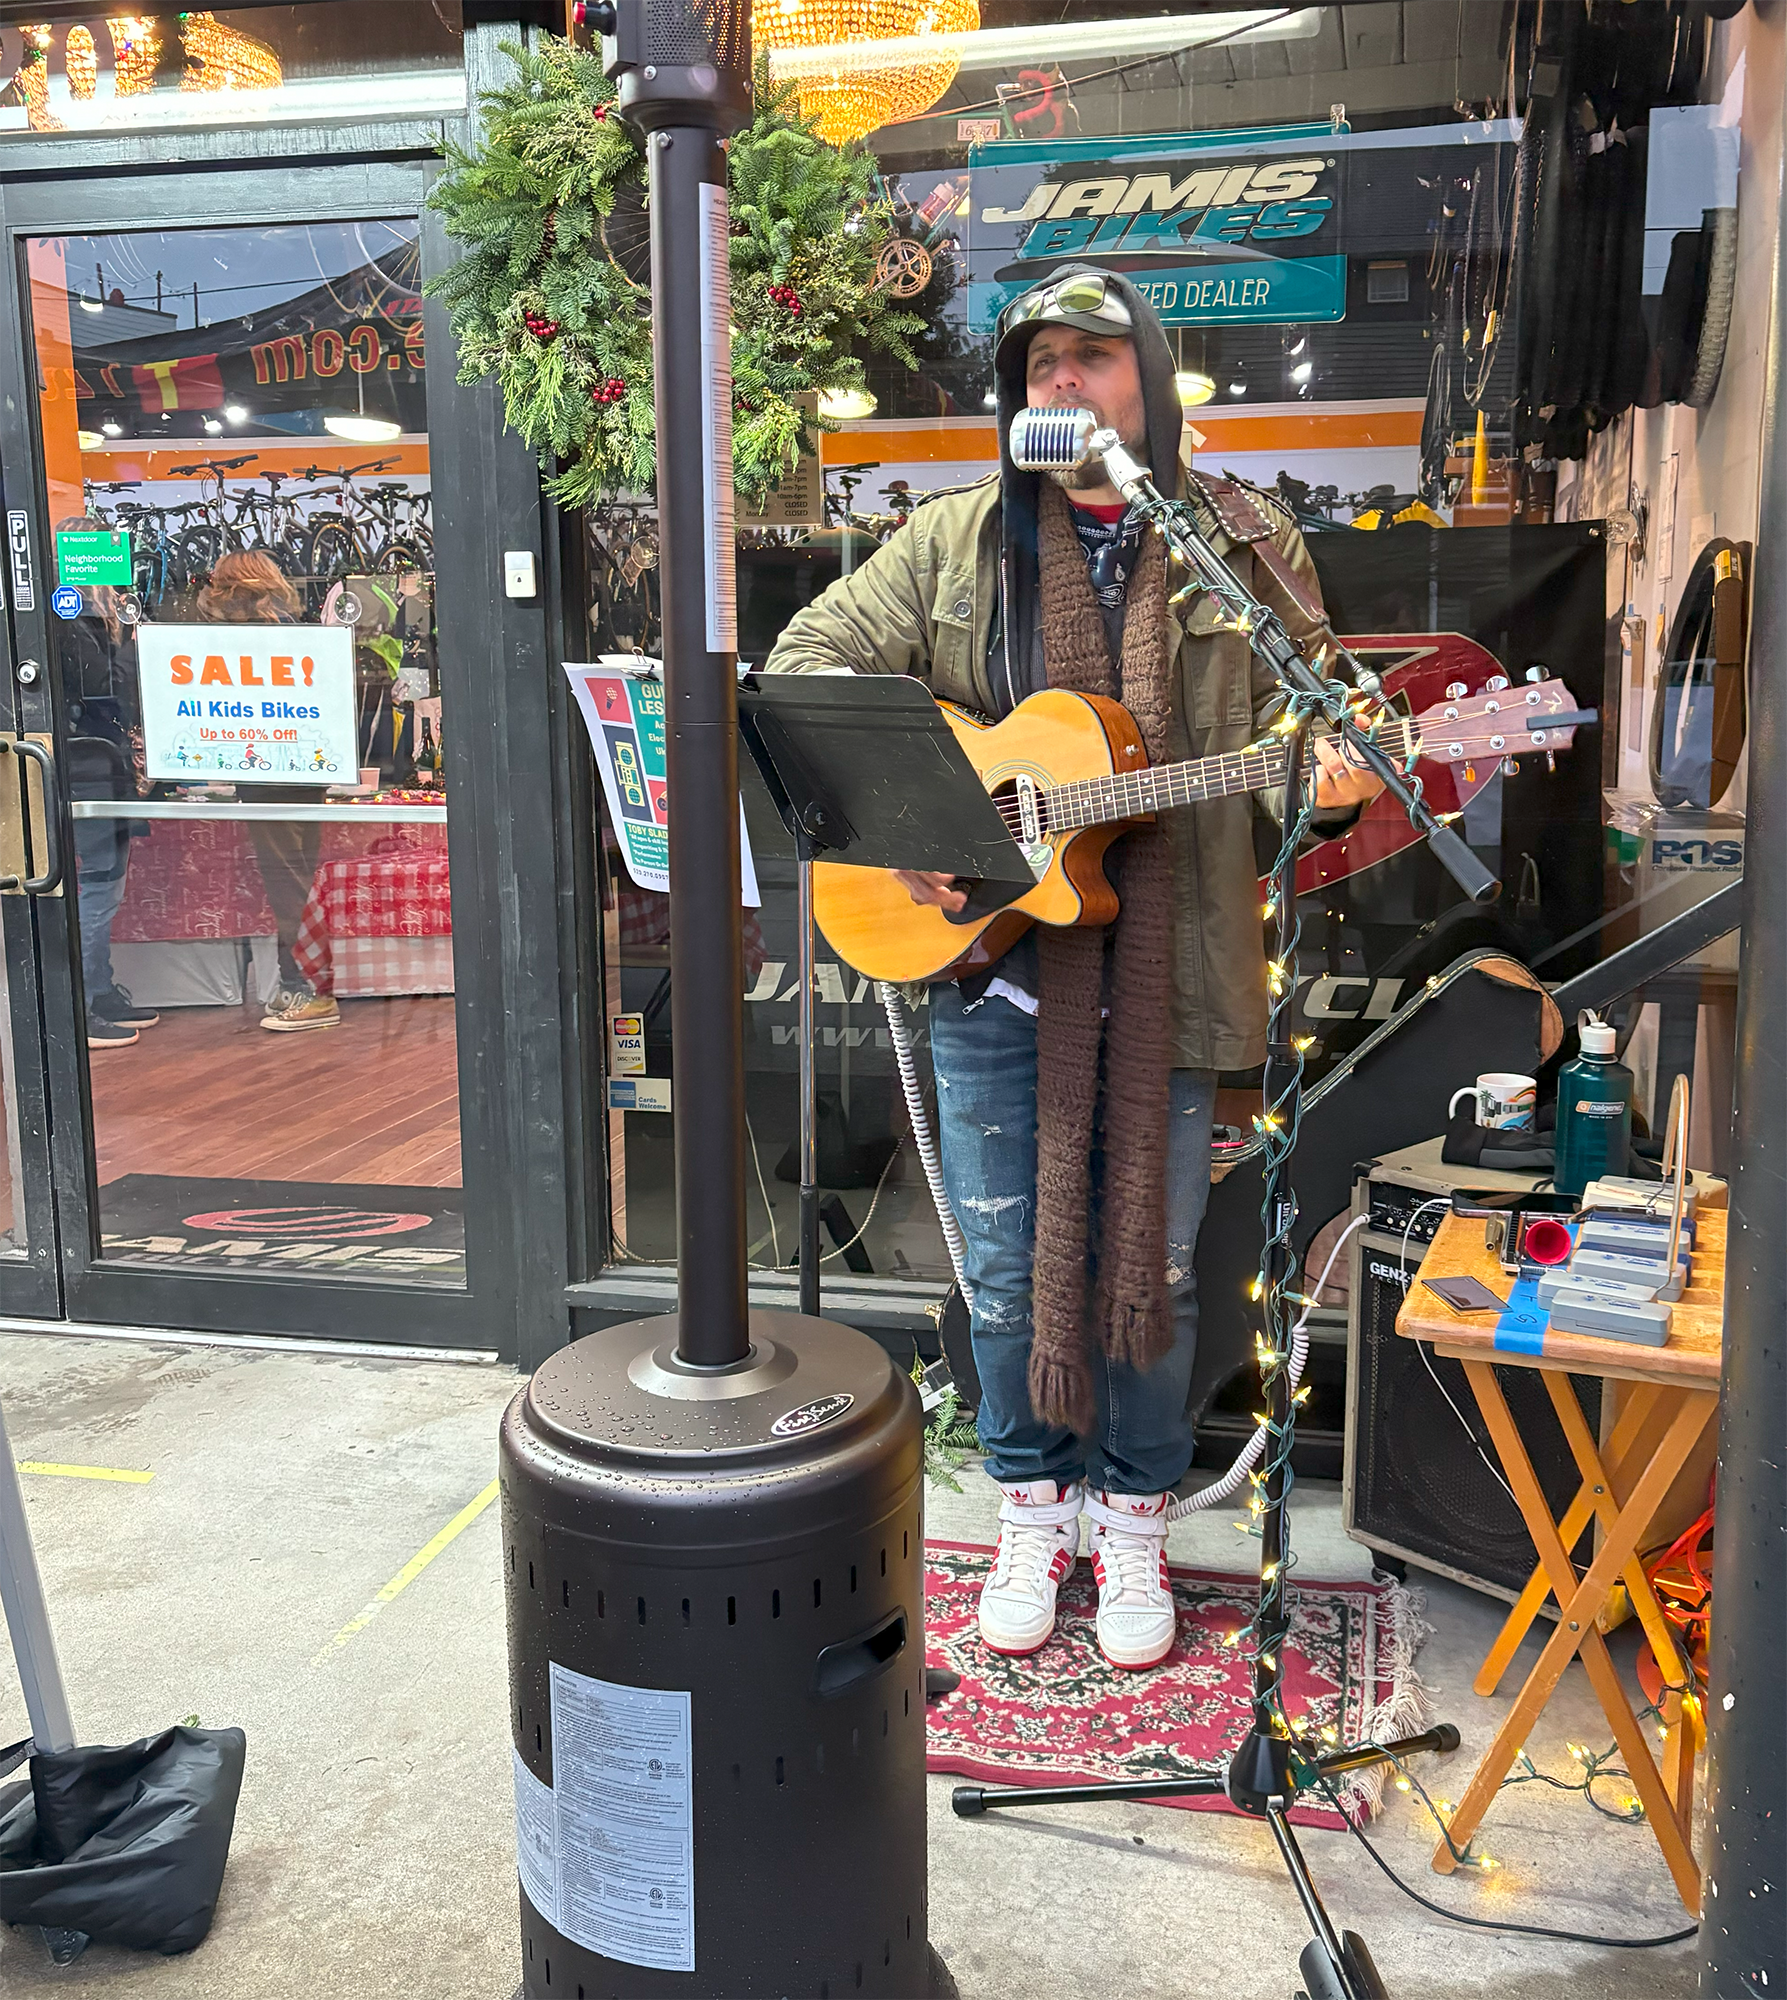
x,y
1333,1967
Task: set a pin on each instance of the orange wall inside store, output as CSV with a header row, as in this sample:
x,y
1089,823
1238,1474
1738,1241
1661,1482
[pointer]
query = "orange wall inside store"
x,y
56,400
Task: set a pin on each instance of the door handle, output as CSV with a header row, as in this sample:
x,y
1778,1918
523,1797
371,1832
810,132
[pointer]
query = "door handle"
x,y
49,883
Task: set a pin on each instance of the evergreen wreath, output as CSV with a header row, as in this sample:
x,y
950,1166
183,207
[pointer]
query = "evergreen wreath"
x,y
552,296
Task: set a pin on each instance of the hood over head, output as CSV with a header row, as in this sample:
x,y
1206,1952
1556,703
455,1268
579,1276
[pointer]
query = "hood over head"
x,y
1019,490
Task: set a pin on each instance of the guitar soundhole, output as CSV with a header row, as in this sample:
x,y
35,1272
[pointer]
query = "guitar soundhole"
x,y
1020,805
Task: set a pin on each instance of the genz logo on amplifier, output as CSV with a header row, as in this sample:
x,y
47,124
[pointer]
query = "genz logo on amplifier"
x,y
796,1423
1388,1274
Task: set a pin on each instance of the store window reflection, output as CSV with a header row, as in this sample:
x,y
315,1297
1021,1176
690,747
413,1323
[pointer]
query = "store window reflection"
x,y
235,444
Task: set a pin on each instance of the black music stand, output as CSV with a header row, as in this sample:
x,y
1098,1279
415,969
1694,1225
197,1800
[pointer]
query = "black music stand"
x,y
864,770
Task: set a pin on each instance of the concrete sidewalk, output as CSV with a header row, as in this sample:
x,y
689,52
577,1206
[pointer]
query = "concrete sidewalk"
x,y
374,1848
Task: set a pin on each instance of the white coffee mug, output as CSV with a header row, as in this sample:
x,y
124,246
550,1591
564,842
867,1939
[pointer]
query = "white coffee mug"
x,y
1499,1100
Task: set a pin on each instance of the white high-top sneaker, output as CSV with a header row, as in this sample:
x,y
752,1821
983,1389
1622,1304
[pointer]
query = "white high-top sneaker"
x,y
1136,1619
1039,1542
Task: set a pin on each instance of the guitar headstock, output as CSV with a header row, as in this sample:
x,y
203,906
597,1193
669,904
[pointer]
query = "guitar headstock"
x,y
1501,722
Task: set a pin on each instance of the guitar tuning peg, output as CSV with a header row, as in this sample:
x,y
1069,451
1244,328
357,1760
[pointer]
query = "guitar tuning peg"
x,y
1495,683
1456,690
1509,766
1536,673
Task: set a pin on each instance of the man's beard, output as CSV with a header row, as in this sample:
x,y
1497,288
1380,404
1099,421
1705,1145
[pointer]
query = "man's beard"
x,y
1084,478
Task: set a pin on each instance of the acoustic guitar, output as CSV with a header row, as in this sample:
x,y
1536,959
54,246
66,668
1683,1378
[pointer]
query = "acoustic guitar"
x,y
1069,775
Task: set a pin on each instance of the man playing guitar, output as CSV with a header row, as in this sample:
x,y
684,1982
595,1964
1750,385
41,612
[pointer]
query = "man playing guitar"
x,y
1076,1078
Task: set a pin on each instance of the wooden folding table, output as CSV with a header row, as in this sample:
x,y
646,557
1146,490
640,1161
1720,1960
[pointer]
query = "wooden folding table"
x,y
1674,1396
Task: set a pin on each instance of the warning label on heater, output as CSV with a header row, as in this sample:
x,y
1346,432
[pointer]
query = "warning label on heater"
x,y
623,1821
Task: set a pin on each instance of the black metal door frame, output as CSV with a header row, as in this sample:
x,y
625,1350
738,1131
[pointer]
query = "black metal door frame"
x,y
511,997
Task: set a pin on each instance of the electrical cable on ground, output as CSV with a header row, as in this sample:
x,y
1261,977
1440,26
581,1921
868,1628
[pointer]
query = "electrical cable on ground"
x,y
1492,1924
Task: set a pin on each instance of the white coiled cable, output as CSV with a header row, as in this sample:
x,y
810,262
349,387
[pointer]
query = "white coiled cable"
x,y
1254,1449
922,1135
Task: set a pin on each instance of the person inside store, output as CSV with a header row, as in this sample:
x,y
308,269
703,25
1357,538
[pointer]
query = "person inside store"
x,y
102,712
249,588
1076,1084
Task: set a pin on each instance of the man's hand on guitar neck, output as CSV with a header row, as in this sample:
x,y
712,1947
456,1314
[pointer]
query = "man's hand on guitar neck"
x,y
926,887
1340,782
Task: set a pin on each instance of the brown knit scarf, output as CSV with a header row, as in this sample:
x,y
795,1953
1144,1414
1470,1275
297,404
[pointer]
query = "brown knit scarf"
x,y
1127,1316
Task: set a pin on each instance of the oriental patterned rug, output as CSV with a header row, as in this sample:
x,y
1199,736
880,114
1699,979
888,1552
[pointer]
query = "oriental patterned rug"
x,y
1063,1715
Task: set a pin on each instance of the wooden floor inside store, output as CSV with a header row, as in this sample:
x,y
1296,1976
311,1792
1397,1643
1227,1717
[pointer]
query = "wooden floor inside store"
x,y
207,1092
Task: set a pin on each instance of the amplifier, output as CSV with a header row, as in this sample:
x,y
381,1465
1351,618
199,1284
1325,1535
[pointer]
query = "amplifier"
x,y
1417,1487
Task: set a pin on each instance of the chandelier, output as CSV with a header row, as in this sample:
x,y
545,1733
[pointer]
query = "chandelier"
x,y
838,75
217,58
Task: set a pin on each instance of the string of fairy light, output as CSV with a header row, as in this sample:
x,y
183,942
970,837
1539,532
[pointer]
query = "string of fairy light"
x,y
1277,1125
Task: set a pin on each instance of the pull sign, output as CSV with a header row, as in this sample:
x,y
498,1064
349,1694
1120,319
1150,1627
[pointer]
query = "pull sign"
x,y
18,545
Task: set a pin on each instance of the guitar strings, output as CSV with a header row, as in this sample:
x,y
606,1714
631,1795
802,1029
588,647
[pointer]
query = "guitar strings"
x,y
1144,791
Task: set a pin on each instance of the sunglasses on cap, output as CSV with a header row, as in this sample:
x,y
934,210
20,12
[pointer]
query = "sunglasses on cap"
x,y
1087,293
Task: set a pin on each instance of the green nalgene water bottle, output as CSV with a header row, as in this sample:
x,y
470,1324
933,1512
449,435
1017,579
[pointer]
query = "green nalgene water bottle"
x,y
1594,1110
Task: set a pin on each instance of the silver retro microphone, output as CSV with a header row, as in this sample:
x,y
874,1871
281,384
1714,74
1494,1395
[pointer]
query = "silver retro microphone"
x,y
1052,440
1065,439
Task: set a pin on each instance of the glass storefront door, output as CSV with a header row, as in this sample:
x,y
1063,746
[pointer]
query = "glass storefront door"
x,y
248,990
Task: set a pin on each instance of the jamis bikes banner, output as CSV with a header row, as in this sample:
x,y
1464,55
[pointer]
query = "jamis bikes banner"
x,y
248,704
1238,228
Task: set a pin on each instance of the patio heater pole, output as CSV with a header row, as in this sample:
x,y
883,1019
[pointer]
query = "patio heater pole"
x,y
684,75
1743,1926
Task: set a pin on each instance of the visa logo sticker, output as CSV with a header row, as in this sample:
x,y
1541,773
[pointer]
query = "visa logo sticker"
x,y
626,1045
639,1093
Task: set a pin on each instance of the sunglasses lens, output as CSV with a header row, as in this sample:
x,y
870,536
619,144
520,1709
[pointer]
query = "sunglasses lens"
x,y
1080,295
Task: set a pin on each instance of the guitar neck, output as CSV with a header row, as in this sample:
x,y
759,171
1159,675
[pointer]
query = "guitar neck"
x,y
1134,794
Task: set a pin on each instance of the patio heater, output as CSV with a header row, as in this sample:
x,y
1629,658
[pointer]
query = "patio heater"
x,y
712,1544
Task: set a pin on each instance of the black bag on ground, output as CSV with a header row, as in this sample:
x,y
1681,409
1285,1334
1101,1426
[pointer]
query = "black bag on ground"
x,y
127,1845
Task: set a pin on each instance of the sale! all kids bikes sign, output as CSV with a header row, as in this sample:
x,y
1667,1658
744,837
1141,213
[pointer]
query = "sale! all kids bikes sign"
x,y
249,704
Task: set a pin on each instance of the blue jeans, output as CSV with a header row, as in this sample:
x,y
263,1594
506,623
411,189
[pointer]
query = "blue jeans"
x,y
984,1055
102,862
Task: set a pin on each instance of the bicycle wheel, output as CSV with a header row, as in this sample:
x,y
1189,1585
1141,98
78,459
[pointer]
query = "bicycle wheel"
x,y
197,552
398,555
331,550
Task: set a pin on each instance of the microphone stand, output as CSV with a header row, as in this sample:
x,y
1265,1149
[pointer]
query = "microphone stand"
x,y
1271,1764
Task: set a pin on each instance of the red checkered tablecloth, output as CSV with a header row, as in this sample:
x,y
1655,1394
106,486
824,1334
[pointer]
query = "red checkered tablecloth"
x,y
198,878
369,924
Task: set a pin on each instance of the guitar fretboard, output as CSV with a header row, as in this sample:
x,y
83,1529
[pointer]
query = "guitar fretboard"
x,y
1130,794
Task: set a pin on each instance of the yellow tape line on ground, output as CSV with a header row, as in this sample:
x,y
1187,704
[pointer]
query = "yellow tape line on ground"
x,y
85,1472
409,1572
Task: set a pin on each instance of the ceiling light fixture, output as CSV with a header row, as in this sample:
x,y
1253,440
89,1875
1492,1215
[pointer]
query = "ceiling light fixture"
x,y
92,305
88,440
213,428
1303,371
1194,387
846,406
236,414
1237,388
112,428
370,430
846,52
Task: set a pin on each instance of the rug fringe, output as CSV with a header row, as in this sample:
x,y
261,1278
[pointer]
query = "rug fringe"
x,y
1407,1709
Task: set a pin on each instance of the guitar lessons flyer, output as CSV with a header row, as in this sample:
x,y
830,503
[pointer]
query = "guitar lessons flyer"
x,y
624,713
251,704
